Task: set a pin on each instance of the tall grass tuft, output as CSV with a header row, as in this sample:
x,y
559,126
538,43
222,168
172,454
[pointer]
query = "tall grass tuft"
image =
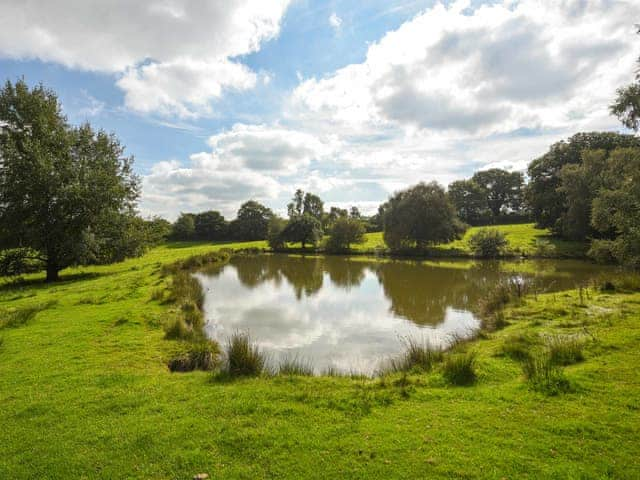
x,y
243,358
417,355
17,317
177,329
544,375
295,366
517,346
565,349
186,288
202,355
460,369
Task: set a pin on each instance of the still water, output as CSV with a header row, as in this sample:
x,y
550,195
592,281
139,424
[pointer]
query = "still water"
x,y
352,313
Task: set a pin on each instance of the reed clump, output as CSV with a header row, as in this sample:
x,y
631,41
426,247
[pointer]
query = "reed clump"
x,y
460,368
243,358
417,355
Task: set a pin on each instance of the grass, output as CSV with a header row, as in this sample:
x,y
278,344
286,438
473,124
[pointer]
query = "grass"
x,y
417,355
460,368
243,358
544,375
99,395
292,365
523,239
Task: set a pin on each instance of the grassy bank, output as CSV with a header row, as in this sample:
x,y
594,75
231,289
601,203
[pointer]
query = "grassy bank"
x,y
86,393
523,240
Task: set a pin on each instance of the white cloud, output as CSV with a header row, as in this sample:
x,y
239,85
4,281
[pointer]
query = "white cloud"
x,y
533,63
172,187
335,21
247,161
175,56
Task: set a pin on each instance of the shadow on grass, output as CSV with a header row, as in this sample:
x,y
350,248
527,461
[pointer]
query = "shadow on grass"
x,y
65,279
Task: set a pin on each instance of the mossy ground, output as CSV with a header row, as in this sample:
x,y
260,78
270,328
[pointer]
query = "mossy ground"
x,y
85,393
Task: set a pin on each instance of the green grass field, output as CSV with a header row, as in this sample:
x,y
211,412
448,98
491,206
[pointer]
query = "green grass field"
x,y
85,393
521,237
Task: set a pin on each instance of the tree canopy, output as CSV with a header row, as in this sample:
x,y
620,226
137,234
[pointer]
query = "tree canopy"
x,y
62,188
546,196
252,221
420,216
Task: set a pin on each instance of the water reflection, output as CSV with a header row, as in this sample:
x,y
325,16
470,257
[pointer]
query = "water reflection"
x,y
351,312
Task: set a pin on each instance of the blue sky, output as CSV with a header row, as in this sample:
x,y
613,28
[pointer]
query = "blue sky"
x,y
225,101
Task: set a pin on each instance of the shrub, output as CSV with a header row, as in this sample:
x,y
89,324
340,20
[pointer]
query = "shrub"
x,y
602,251
459,369
488,243
416,356
295,366
544,248
345,231
544,375
243,358
565,349
200,356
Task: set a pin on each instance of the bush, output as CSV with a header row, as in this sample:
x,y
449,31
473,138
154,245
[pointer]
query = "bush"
x,y
602,251
200,356
565,349
243,358
18,261
544,375
416,356
345,231
488,243
274,235
544,248
459,369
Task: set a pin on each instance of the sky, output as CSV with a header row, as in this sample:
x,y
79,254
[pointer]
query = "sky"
x,y
222,101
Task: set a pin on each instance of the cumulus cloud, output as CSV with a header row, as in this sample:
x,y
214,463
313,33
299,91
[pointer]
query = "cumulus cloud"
x,y
175,56
268,148
492,69
247,161
335,21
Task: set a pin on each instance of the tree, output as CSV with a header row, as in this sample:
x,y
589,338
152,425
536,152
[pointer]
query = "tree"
x,y
157,230
345,231
354,212
252,221
627,104
274,235
469,200
305,229
59,184
503,189
313,206
420,215
616,208
305,204
544,196
210,226
295,208
184,228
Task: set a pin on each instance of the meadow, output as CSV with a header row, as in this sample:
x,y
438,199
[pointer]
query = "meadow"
x,y
86,392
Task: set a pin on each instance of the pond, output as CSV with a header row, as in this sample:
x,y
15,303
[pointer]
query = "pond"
x,y
351,313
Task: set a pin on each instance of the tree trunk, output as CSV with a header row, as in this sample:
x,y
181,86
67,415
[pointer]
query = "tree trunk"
x,y
52,272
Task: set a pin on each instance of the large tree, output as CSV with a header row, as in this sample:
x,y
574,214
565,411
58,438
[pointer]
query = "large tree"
x,y
305,204
545,197
59,185
420,215
503,189
252,221
210,225
616,206
627,104
304,228
469,200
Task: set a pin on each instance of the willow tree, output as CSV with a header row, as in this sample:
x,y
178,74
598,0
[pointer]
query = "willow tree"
x,y
62,188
